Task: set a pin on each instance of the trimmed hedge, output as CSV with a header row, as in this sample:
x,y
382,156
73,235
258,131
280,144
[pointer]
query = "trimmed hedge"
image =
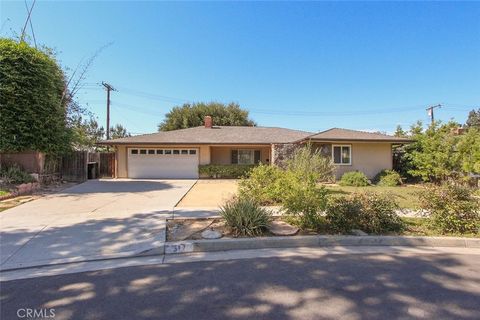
x,y
225,170
33,113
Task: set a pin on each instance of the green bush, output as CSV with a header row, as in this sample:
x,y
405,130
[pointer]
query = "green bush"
x,y
308,161
354,179
225,170
303,198
14,175
264,184
452,208
388,178
369,212
245,217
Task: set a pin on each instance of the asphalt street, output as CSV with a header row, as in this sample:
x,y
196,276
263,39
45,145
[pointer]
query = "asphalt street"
x,y
346,286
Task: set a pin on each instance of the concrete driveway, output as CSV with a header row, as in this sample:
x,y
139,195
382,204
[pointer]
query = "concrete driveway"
x,y
94,220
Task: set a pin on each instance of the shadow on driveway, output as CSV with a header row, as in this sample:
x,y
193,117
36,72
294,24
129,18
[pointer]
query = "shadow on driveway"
x,y
91,239
123,186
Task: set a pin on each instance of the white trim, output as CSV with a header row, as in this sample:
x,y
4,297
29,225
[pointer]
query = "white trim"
x,y
349,155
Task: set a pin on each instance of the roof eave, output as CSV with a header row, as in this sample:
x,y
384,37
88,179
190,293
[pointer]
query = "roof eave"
x,y
358,140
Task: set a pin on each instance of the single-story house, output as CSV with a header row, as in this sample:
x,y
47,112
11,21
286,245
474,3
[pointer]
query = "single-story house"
x,y
177,154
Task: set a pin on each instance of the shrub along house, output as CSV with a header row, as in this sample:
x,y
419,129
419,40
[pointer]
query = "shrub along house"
x,y
178,154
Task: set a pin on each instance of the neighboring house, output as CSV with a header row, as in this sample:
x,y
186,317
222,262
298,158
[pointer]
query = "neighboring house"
x,y
176,154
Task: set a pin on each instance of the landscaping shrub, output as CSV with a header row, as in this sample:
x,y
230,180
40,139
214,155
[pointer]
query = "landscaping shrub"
x,y
303,198
263,185
245,217
452,208
307,161
354,179
15,175
388,178
225,170
369,212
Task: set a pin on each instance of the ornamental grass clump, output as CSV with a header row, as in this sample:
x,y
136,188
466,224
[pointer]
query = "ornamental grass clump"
x,y
245,217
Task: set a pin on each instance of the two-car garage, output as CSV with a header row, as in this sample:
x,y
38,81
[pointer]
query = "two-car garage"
x,y
163,163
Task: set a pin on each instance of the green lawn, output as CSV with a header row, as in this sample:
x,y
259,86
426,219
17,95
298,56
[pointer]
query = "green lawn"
x,y
406,196
4,192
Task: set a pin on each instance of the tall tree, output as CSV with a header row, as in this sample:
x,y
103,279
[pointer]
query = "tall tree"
x,y
473,119
433,153
86,133
192,115
399,132
469,151
118,131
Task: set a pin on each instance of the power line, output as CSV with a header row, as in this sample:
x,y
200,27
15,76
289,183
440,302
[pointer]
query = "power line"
x,y
26,22
31,25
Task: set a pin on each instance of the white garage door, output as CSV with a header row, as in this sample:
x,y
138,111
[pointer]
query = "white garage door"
x,y
162,163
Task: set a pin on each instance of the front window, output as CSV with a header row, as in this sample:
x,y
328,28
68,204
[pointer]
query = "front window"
x,y
245,157
342,154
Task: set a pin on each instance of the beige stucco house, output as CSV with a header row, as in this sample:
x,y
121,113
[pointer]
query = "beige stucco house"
x,y
177,154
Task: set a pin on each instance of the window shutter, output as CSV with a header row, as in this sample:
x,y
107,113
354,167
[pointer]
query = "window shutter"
x,y
256,156
234,156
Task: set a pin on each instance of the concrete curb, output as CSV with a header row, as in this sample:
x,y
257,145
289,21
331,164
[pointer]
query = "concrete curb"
x,y
316,241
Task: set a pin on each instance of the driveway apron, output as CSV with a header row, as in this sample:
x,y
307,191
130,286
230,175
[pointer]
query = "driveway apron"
x,y
97,219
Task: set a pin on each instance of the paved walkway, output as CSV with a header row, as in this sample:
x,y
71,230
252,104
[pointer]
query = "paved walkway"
x,y
94,220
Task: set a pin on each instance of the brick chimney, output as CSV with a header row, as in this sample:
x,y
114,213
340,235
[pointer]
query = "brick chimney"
x,y
208,122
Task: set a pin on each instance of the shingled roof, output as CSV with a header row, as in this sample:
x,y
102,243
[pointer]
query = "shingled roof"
x,y
338,134
216,135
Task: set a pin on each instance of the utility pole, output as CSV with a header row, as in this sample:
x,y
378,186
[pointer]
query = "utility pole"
x,y
109,88
430,112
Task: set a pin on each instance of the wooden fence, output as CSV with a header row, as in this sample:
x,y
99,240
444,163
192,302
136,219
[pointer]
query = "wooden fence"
x,y
75,166
82,165
107,164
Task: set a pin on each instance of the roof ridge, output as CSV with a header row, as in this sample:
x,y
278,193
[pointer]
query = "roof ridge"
x,y
363,131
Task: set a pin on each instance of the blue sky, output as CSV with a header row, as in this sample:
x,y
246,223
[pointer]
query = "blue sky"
x,y
310,66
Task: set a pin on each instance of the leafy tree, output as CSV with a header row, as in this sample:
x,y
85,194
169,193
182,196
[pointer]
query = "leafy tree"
x,y
473,119
32,111
86,133
192,115
433,153
402,154
469,151
399,132
118,131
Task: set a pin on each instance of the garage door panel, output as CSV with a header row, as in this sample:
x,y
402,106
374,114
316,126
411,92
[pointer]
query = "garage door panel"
x,y
162,166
